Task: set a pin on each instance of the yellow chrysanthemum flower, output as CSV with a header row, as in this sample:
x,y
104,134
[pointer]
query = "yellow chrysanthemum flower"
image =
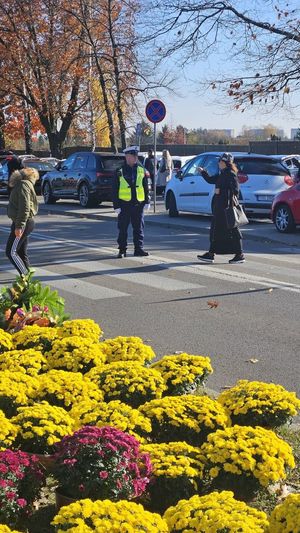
x,y
6,529
8,432
116,414
40,426
37,337
183,373
255,453
108,517
77,354
127,349
16,388
63,389
285,518
184,418
257,403
31,362
174,459
5,341
128,382
85,327
218,511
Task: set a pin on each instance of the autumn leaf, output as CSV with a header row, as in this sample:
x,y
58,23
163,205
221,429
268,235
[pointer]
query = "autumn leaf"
x,y
213,304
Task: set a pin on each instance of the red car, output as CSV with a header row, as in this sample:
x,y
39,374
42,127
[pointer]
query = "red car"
x,y
286,209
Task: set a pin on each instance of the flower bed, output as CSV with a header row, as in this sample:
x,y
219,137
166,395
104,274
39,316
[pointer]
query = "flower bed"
x,y
85,328
127,414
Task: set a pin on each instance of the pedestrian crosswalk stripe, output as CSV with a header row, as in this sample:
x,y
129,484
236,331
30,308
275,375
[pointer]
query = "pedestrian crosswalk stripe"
x,y
78,287
146,279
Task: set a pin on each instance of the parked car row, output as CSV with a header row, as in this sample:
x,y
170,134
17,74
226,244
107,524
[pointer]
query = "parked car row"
x,y
41,165
262,179
268,184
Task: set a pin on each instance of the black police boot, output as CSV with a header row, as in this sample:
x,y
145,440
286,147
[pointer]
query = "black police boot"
x,y
140,253
122,253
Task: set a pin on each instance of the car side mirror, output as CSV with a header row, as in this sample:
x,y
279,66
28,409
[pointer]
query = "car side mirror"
x,y
179,174
63,167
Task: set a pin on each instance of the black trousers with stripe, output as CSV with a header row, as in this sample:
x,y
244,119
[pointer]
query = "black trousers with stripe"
x,y
16,248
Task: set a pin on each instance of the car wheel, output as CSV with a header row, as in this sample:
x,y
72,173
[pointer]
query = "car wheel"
x,y
86,199
283,219
173,211
47,194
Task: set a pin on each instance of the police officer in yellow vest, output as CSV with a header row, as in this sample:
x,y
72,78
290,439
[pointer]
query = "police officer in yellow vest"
x,y
130,198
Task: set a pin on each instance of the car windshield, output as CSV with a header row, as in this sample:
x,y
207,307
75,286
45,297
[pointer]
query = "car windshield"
x,y
112,163
261,166
39,165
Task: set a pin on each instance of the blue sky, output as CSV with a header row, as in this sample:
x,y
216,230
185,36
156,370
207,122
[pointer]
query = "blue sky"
x,y
198,107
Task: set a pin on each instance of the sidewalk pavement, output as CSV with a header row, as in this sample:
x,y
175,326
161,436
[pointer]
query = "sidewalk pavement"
x,y
262,230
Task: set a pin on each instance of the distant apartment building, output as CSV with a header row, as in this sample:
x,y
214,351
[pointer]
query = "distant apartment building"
x,y
294,132
226,132
262,133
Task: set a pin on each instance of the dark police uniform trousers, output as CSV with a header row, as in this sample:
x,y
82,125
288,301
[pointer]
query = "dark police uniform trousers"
x,y
134,214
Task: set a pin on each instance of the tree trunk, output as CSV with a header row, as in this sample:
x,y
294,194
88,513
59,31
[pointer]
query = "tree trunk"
x,y
56,144
2,124
107,108
27,129
120,113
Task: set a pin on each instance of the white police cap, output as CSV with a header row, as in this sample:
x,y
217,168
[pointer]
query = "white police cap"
x,y
131,150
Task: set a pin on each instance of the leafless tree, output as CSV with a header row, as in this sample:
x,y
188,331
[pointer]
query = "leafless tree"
x,y
261,38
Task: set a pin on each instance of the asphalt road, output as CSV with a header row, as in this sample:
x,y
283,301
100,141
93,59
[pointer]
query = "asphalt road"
x,y
254,331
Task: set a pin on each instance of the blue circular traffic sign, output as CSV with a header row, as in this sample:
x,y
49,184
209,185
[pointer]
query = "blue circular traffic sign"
x,y
155,111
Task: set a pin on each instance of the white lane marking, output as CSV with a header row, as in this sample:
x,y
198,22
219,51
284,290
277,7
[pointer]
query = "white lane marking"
x,y
211,271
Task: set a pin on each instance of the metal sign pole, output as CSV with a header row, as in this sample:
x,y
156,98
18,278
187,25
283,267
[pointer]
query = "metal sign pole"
x,y
155,170
155,112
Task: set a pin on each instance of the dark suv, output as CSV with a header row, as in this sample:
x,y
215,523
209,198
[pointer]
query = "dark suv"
x,y
86,176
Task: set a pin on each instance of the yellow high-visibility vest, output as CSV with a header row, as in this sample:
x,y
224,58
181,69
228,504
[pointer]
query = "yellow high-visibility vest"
x,y
125,189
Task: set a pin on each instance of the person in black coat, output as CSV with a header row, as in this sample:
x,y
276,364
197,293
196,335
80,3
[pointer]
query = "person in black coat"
x,y
150,166
222,239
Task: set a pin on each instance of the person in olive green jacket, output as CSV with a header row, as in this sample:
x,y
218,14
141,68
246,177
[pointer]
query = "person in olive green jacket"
x,y
22,208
